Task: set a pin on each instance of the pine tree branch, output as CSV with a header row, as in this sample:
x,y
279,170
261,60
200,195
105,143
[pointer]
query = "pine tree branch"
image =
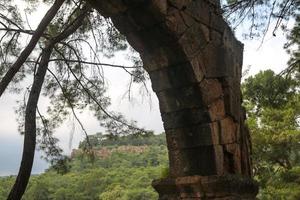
x,y
95,100
94,63
21,182
71,106
31,45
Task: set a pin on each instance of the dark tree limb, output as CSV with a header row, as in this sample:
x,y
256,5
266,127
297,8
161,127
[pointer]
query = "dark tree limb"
x,y
95,63
30,129
30,115
31,45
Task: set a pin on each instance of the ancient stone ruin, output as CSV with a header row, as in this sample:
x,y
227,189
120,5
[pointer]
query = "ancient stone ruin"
x,y
194,62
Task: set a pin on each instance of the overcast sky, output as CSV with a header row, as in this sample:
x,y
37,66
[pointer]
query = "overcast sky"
x,y
270,56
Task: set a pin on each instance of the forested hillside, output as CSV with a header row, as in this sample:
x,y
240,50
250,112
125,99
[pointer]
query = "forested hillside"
x,y
125,172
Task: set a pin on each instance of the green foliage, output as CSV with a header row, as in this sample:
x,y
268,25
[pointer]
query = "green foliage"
x,y
114,192
99,140
123,175
293,49
165,172
5,184
267,89
273,108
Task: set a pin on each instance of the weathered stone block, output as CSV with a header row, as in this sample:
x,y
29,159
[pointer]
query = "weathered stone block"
x,y
211,90
236,47
193,9
184,118
193,136
194,40
157,36
216,37
218,61
232,97
138,43
216,132
175,22
125,23
159,7
228,38
216,110
246,149
216,3
189,188
198,68
189,137
162,57
109,9
228,187
156,59
199,160
160,80
228,131
176,76
206,32
177,99
235,150
143,14
217,21
179,4
219,157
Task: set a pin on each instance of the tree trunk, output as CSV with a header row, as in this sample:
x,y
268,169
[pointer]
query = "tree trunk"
x,y
194,62
30,116
30,129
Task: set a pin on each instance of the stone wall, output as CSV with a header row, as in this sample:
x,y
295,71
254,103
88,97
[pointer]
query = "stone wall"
x,y
206,188
194,62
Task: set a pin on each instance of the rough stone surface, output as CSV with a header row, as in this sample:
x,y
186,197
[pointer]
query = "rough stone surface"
x,y
194,62
176,99
198,160
206,187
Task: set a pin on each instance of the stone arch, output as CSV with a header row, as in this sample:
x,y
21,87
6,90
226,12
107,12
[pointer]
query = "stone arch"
x,y
194,62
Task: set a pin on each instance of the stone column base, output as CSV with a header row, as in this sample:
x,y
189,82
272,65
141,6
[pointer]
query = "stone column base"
x,y
229,187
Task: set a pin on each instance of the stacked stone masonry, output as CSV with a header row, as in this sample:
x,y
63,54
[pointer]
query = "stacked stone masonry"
x,y
205,188
194,62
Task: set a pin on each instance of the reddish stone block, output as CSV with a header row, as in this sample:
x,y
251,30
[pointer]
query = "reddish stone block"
x,y
234,149
198,68
193,40
211,90
228,131
175,22
206,188
216,110
232,100
219,157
